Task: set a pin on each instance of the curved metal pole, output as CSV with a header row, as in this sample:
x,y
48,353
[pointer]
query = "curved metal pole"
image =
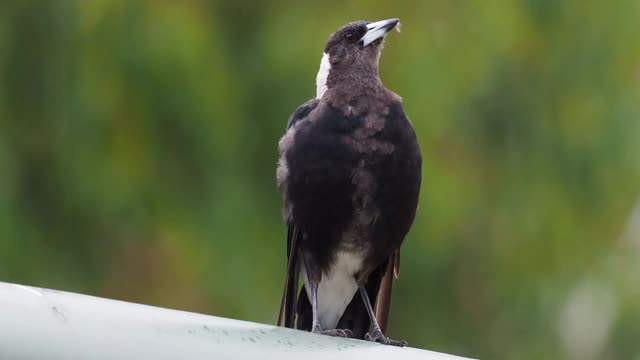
x,y
37,323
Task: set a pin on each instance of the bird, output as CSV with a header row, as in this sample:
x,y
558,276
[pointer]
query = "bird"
x,y
349,172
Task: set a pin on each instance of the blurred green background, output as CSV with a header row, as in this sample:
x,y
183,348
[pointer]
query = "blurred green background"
x,y
138,143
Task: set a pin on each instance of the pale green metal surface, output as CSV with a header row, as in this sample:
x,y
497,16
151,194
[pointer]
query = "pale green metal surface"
x,y
39,323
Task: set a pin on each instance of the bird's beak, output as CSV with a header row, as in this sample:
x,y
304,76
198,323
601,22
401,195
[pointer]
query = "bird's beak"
x,y
377,30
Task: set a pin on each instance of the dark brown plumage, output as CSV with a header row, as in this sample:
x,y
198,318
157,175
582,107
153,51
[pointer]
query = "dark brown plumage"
x,y
350,173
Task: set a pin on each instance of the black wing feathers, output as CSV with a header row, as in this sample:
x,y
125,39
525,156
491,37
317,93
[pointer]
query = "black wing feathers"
x,y
288,305
302,112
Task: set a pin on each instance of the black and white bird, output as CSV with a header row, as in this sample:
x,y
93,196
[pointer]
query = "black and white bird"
x,y
349,173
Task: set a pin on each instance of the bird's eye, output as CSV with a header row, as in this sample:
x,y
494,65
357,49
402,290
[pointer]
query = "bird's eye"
x,y
348,36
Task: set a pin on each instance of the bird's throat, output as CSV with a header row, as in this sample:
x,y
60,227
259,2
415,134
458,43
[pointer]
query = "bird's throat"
x,y
348,82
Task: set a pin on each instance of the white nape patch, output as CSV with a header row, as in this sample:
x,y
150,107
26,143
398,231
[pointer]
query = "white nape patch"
x,y
337,288
323,74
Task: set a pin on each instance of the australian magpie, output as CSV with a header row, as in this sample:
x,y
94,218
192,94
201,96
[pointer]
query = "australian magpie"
x,y
349,173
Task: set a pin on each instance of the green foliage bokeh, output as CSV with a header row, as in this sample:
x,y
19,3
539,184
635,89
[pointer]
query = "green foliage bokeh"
x,y
138,143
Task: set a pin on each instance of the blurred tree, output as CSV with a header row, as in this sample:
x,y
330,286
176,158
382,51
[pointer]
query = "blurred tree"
x,y
138,143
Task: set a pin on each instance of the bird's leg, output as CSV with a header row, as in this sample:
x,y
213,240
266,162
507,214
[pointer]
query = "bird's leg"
x,y
315,324
314,275
376,334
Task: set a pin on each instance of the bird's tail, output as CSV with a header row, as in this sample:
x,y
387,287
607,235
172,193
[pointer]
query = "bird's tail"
x,y
286,317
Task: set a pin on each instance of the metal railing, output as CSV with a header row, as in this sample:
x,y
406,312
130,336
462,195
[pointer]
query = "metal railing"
x,y
38,323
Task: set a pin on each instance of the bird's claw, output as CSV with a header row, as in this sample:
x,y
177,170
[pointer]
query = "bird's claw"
x,y
345,333
379,337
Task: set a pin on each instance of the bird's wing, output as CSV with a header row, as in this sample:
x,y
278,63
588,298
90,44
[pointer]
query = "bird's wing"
x,y
302,112
386,286
286,317
400,196
408,178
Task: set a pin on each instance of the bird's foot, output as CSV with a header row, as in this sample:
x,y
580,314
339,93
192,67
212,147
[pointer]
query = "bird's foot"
x,y
379,337
345,333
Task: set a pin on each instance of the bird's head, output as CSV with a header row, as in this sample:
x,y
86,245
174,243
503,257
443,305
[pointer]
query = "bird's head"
x,y
352,52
